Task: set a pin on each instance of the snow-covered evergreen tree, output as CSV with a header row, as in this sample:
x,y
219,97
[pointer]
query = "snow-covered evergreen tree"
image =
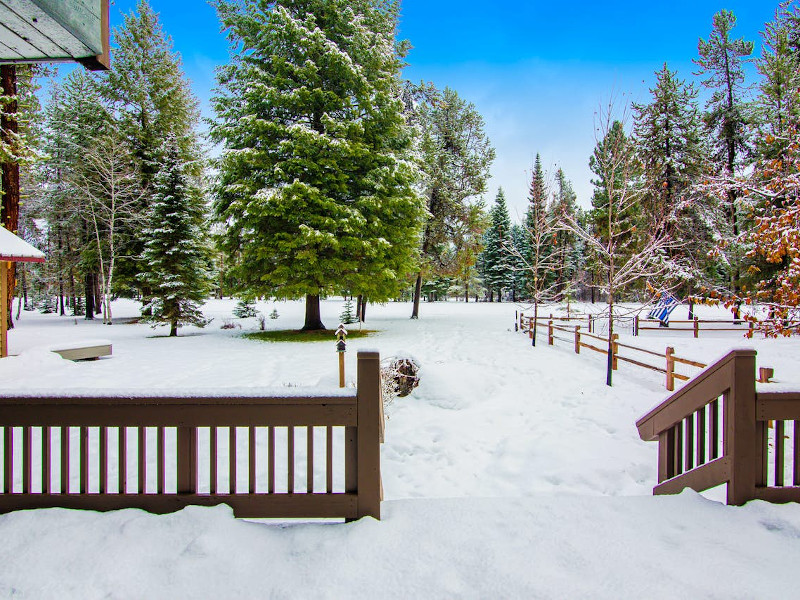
x,y
315,189
456,156
667,134
348,316
245,309
497,254
151,100
721,61
175,252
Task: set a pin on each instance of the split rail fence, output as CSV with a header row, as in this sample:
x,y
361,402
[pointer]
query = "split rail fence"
x,y
92,451
718,429
577,337
694,325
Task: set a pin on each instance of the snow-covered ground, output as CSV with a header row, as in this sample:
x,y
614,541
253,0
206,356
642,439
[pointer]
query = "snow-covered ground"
x,y
511,471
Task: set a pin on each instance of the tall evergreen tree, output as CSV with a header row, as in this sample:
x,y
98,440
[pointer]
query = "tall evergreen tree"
x,y
456,156
564,207
315,189
720,61
669,145
175,252
152,101
497,255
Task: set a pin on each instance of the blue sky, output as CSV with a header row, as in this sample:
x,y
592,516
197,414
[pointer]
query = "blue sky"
x,y
536,71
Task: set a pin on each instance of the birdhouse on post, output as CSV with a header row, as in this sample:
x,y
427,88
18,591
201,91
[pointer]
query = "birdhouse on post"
x,y
341,347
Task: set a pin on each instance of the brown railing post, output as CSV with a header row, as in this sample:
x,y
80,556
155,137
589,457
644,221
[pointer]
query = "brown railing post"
x,y
369,455
614,351
670,369
696,327
531,328
744,439
550,332
577,339
590,323
187,460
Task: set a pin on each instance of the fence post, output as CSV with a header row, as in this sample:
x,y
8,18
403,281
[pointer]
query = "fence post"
x,y
577,339
550,332
368,459
614,351
532,330
670,369
696,327
517,320
590,323
745,438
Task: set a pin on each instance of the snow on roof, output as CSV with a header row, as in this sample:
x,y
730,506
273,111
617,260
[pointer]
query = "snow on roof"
x,y
15,249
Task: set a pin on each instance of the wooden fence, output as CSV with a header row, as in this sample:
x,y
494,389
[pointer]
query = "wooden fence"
x,y
694,325
577,337
716,430
92,451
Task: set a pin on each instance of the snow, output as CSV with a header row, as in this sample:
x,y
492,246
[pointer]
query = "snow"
x,y
14,248
511,471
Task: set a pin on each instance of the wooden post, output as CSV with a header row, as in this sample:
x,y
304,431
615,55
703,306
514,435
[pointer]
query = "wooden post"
x,y
4,309
696,328
744,437
614,350
577,339
341,347
517,321
369,453
550,332
531,328
590,323
187,460
765,374
670,369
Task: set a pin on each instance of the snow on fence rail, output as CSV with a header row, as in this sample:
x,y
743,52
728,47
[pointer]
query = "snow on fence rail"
x,y
718,429
577,337
694,325
113,436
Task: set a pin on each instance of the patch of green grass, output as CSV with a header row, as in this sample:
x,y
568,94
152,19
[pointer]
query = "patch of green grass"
x,y
295,335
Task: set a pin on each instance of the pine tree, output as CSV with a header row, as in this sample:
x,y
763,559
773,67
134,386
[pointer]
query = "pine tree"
x,y
175,253
347,315
563,208
720,63
497,254
315,188
668,140
777,107
245,309
151,100
456,156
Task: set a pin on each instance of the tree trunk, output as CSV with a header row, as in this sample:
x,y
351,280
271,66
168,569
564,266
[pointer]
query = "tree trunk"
x,y
466,292
313,320
610,351
9,181
173,329
691,311
363,311
491,295
98,298
500,295
89,293
417,294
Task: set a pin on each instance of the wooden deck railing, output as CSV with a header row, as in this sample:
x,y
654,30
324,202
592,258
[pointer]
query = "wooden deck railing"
x,y
161,452
716,430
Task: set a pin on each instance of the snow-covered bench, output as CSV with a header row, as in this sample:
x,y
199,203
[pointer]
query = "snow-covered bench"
x,y
83,349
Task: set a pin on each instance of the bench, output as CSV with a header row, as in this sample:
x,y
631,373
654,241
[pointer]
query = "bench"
x,y
83,350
